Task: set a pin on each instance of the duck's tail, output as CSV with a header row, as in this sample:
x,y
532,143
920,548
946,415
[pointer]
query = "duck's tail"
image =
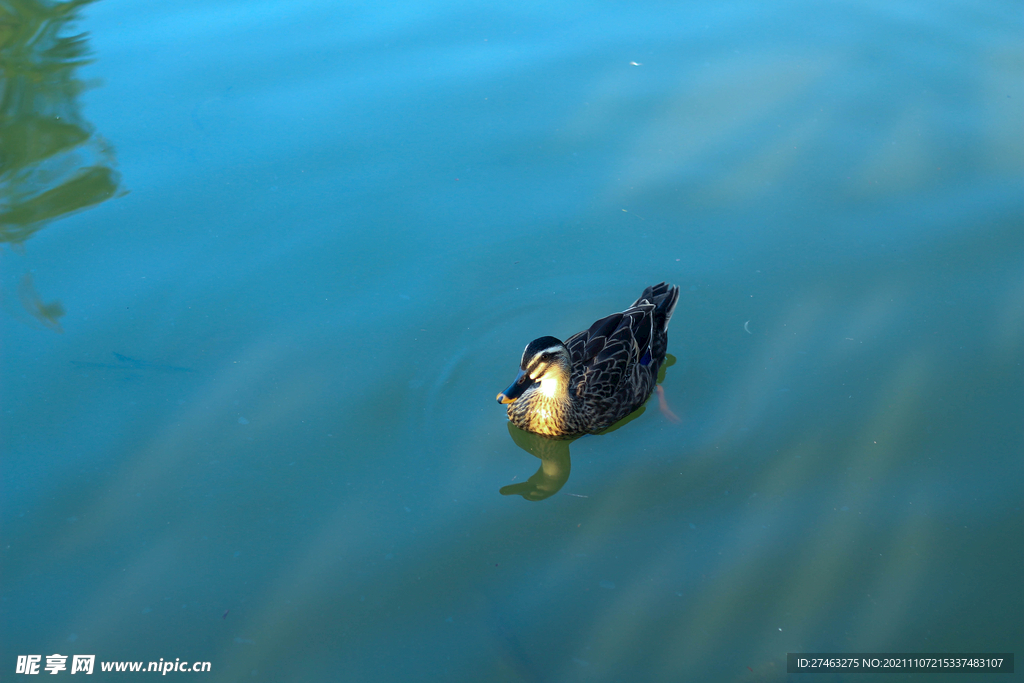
x,y
664,297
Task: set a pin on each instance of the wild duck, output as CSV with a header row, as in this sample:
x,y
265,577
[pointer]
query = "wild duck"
x,y
595,377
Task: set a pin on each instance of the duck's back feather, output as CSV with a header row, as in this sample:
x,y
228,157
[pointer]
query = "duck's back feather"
x,y
616,361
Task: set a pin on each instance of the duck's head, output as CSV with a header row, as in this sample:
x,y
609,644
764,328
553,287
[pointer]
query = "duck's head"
x,y
546,362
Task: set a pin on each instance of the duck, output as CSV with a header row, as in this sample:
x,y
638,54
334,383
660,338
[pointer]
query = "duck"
x,y
595,377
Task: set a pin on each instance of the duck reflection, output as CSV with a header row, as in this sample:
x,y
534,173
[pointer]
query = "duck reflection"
x,y
555,463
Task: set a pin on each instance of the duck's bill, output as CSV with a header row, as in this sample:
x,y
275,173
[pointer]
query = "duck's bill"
x,y
516,389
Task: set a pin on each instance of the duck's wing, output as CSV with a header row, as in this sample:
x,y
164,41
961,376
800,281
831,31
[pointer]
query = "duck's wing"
x,y
603,355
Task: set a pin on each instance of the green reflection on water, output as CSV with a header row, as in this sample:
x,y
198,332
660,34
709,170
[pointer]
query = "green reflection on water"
x,y
52,163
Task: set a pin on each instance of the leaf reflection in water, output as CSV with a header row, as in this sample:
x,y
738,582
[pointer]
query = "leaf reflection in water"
x,y
47,314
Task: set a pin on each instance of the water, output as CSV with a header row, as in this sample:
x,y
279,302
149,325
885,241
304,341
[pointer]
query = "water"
x,y
264,279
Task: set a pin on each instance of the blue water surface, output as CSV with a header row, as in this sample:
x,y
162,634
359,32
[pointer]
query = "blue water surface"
x,y
267,265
